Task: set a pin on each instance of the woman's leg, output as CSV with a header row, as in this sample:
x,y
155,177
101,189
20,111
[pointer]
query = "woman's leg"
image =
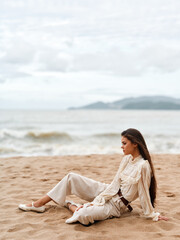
x,y
36,206
72,207
42,201
89,214
75,184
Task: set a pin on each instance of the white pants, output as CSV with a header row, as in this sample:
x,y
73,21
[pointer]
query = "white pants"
x,y
87,189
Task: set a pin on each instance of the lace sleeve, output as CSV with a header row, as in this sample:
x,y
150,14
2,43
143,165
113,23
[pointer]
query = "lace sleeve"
x,y
143,191
112,189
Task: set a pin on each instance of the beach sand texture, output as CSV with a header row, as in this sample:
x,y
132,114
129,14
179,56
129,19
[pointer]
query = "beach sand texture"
x,y
25,179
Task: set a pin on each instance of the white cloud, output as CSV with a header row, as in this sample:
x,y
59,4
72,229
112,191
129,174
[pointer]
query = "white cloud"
x,y
54,60
81,48
19,53
160,57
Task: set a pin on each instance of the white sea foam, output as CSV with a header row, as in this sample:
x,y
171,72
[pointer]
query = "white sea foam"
x,y
85,132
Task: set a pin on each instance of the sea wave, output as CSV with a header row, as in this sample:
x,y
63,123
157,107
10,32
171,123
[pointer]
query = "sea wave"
x,y
9,151
34,135
36,142
49,135
108,135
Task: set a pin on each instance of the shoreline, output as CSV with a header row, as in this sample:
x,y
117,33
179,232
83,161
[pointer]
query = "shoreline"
x,y
83,155
25,179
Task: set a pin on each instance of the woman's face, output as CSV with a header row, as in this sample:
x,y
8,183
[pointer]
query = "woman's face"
x,y
127,146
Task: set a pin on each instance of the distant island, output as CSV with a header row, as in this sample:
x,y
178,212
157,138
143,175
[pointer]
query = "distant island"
x,y
141,103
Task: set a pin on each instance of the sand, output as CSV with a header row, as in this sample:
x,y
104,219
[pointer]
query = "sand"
x,y
24,179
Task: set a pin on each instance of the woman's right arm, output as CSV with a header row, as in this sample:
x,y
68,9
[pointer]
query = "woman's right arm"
x,y
113,188
144,196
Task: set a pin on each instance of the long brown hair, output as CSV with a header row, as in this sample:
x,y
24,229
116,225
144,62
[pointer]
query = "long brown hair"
x,y
136,137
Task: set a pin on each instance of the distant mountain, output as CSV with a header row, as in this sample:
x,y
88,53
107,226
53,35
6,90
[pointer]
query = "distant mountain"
x,y
146,103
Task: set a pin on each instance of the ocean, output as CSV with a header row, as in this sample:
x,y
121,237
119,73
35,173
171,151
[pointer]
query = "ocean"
x,y
83,132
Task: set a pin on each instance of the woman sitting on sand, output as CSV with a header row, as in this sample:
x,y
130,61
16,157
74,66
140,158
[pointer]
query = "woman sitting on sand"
x,y
134,178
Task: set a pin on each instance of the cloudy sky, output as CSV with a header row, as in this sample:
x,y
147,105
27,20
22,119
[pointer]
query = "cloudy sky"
x,y
61,53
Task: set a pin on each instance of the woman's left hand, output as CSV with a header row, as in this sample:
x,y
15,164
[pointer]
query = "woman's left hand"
x,y
162,218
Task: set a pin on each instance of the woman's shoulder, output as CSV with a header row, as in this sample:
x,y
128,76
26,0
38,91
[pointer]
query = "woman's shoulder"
x,y
124,161
126,157
143,165
146,166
